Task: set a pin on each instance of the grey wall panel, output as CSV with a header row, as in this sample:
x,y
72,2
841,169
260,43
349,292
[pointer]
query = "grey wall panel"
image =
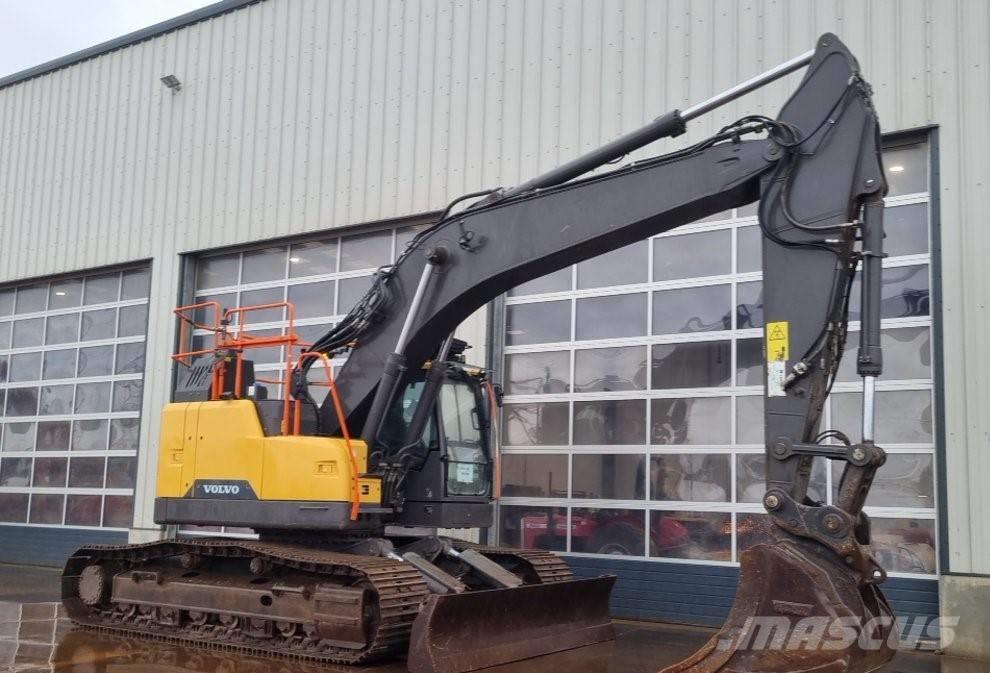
x,y
301,115
49,546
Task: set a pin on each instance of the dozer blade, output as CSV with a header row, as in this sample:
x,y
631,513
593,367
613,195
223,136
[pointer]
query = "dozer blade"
x,y
455,633
798,609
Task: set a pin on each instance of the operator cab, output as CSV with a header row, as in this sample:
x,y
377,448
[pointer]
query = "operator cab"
x,y
446,468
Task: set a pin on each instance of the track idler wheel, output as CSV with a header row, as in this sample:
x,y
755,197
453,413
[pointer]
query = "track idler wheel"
x,y
798,609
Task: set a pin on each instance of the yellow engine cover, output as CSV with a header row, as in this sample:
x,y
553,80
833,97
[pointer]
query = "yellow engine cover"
x,y
224,440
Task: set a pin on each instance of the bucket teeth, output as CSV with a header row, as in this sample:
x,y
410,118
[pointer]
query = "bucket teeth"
x,y
798,609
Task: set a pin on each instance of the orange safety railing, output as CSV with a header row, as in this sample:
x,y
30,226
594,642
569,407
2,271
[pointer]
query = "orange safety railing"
x,y
229,333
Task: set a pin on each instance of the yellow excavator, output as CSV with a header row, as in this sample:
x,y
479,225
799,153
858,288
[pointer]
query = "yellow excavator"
x,y
345,479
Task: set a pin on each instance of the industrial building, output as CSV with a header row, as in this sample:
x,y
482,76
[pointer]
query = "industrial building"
x,y
256,151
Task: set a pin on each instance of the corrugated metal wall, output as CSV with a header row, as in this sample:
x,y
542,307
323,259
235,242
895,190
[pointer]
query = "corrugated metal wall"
x,y
299,115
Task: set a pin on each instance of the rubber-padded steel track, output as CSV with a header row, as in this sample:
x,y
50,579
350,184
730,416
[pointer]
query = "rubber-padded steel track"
x,y
399,587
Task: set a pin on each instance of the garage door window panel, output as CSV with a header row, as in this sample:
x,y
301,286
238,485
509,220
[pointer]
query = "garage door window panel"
x,y
610,422
691,420
702,364
616,532
610,369
534,475
698,536
609,476
537,373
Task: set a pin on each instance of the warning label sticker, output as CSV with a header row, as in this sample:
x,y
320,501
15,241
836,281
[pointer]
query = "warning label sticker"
x,y
778,342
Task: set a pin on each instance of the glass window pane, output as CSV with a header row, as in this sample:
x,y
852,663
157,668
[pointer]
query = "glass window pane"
x,y
691,535
692,309
22,402
53,435
313,259
59,364
534,476
127,395
83,510
270,295
751,475
366,251
13,507
541,322
607,531
267,355
610,369
749,420
619,267
15,472
692,365
749,362
351,291
101,289
691,420
65,293
610,476
263,265
92,398
46,508
56,400
32,298
25,367
609,317
6,302
907,354
904,545
136,284
95,361
5,330
120,471
749,249
312,300
610,422
124,433
86,472
89,435
751,529
535,373
130,358
49,471
904,293
907,229
98,324
556,281
207,314
542,424
749,305
405,236
62,329
18,436
529,527
118,511
308,334
905,480
903,416
28,332
133,320
699,477
906,169
219,271
706,253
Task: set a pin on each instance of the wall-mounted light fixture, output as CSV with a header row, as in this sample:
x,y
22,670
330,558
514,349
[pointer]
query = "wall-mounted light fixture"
x,y
172,82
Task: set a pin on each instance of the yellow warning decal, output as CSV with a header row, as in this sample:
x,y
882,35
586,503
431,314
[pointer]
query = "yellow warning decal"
x,y
778,341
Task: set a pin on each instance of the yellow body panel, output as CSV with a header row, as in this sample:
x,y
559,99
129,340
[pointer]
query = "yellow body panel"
x,y
224,440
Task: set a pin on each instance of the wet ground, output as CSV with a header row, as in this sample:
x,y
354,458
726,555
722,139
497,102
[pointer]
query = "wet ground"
x,y
35,637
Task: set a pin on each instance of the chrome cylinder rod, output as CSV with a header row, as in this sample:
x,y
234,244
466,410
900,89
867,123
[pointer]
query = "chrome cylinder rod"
x,y
424,280
869,406
744,88
668,125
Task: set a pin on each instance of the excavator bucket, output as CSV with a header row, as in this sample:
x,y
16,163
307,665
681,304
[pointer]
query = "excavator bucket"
x,y
798,609
462,632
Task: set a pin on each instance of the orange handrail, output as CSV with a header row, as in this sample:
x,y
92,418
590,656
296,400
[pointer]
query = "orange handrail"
x,y
339,409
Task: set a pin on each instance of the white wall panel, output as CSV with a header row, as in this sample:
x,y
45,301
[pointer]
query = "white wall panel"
x,y
300,115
